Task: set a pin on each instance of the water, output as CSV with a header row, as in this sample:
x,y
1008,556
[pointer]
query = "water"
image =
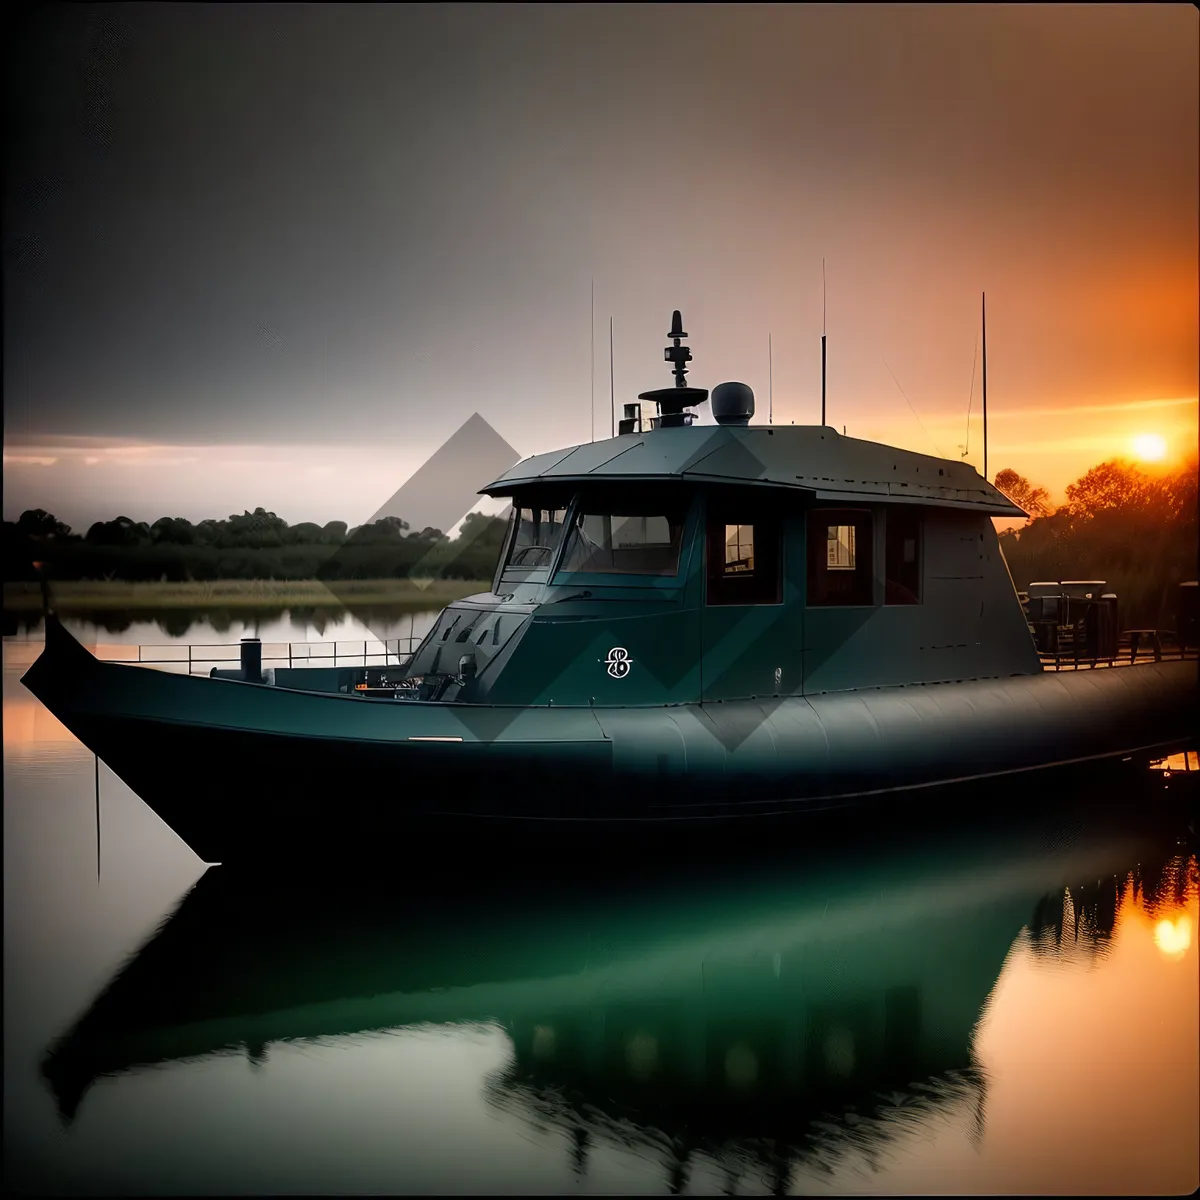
x,y
203,627
1013,1010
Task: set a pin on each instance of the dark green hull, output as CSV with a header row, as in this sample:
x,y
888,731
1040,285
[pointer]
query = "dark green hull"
x,y
245,772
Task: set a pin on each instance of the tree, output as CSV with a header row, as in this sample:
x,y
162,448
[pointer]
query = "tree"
x,y
1034,500
384,530
1114,484
1178,492
306,533
1133,529
38,523
257,528
210,532
479,527
120,531
174,530
390,527
428,534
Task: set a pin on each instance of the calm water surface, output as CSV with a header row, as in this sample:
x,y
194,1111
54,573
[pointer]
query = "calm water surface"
x,y
180,627
1011,1010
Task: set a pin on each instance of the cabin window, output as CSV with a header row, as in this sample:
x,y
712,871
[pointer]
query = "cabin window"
x,y
739,549
902,556
625,539
839,557
840,548
743,557
534,537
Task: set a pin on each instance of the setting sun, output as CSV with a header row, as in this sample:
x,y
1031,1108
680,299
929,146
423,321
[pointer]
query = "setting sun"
x,y
1150,447
1173,937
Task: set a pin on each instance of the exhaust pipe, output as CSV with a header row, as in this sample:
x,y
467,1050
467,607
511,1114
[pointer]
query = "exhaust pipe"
x,y
252,660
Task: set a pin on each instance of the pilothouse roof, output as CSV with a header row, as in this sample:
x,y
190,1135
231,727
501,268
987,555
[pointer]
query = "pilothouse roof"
x,y
811,459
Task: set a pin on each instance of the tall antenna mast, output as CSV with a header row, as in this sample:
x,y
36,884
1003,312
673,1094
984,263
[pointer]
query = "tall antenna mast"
x,y
593,359
971,398
984,315
612,389
97,758
822,341
673,401
770,384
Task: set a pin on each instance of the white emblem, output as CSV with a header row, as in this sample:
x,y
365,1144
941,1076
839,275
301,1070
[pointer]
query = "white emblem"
x,y
618,662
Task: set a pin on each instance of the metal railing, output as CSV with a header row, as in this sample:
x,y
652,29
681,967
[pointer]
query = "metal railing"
x,y
1071,651
196,656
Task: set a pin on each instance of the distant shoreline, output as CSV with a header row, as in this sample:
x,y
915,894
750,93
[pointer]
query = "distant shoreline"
x,y
404,594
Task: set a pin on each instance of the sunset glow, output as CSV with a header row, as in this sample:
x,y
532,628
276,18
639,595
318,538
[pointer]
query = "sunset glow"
x,y
846,197
1174,937
1150,447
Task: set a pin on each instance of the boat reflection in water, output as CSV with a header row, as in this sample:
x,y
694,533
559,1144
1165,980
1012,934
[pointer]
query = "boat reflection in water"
x,y
768,1014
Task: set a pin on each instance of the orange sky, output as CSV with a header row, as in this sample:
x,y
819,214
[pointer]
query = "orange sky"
x,y
222,293
82,480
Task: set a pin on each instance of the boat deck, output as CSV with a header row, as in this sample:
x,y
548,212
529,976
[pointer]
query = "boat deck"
x,y
200,658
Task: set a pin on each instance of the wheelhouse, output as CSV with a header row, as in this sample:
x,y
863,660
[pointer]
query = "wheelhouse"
x,y
730,561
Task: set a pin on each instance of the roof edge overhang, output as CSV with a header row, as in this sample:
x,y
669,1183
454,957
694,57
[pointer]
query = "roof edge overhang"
x,y
986,505
506,487
993,508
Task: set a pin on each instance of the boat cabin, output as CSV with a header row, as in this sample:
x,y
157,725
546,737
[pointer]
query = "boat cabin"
x,y
686,563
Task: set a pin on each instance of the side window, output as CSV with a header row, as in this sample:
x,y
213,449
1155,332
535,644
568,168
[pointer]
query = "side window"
x,y
839,557
902,569
744,552
739,550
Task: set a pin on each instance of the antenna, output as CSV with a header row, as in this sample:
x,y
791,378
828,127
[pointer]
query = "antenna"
x,y
593,359
97,758
971,398
677,354
822,341
910,405
612,390
770,384
673,401
983,311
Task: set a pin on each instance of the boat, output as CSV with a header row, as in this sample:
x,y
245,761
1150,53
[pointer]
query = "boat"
x,y
689,626
819,1000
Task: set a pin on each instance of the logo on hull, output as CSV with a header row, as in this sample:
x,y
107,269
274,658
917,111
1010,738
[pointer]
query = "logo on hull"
x,y
618,662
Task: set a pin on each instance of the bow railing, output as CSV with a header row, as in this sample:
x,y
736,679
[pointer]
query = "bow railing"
x,y
203,656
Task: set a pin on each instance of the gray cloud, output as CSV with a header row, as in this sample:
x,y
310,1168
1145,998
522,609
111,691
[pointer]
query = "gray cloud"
x,y
271,223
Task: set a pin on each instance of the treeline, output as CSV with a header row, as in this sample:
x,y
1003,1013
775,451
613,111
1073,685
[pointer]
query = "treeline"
x,y
254,545
1135,530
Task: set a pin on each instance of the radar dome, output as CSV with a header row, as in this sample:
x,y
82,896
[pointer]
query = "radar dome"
x,y
732,403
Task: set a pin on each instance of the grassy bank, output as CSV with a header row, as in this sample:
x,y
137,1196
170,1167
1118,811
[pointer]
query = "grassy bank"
x,y
399,594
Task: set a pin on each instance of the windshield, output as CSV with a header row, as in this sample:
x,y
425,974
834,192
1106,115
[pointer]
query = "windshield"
x,y
626,538
535,539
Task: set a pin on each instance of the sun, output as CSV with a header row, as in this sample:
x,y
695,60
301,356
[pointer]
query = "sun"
x,y
1150,447
1174,937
